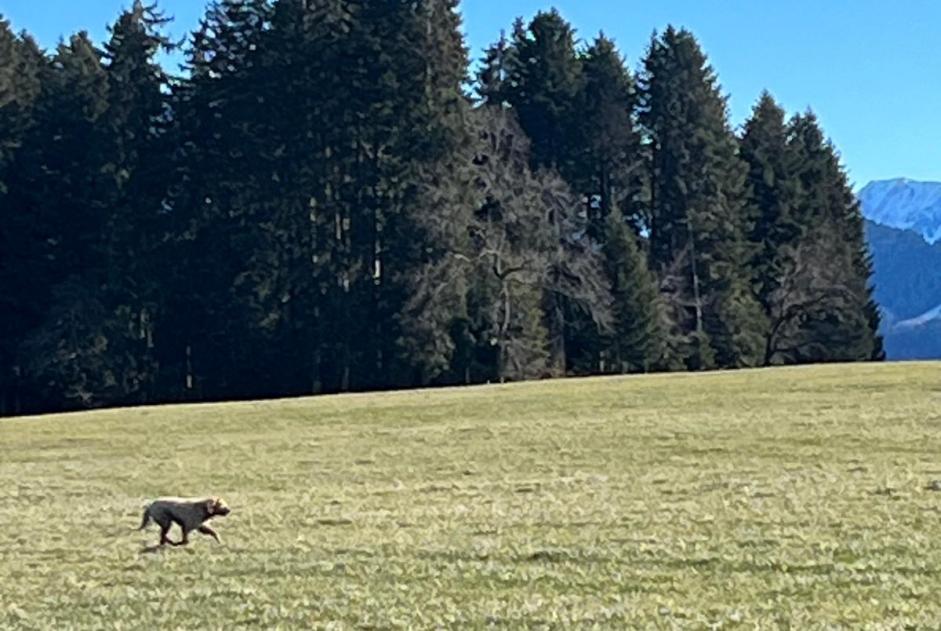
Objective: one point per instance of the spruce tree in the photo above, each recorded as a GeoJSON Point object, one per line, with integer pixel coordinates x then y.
{"type": "Point", "coordinates": [219, 114]}
{"type": "Point", "coordinates": [843, 323]}
{"type": "Point", "coordinates": [340, 238]}
{"type": "Point", "coordinates": [773, 190]}
{"type": "Point", "coordinates": [59, 191]}
{"type": "Point", "coordinates": [608, 163]}
{"type": "Point", "coordinates": [490, 82]}
{"type": "Point", "coordinates": [697, 210]}
{"type": "Point", "coordinates": [22, 69]}
{"type": "Point", "coordinates": [137, 175]}
{"type": "Point", "coordinates": [638, 343]}
{"type": "Point", "coordinates": [543, 77]}
{"type": "Point", "coordinates": [539, 75]}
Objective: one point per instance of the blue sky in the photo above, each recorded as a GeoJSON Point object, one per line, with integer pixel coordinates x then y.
{"type": "Point", "coordinates": [871, 69]}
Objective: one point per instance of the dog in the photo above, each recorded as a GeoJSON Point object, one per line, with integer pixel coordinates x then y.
{"type": "Point", "coordinates": [188, 513]}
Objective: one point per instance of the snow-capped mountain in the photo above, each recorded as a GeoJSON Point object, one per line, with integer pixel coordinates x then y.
{"type": "Point", "coordinates": [904, 204]}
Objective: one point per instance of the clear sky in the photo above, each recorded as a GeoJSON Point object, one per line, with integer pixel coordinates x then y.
{"type": "Point", "coordinates": [870, 69]}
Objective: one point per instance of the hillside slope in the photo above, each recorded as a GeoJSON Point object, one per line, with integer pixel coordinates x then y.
{"type": "Point", "coordinates": [908, 289]}
{"type": "Point", "coordinates": [786, 497]}
{"type": "Point", "coordinates": [907, 271]}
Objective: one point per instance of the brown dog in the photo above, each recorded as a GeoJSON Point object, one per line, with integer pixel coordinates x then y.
{"type": "Point", "coordinates": [189, 514]}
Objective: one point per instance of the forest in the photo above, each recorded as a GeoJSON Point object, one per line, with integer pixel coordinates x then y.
{"type": "Point", "coordinates": [330, 196]}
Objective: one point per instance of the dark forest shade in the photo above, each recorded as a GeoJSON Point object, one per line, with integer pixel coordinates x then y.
{"type": "Point", "coordinates": [319, 206]}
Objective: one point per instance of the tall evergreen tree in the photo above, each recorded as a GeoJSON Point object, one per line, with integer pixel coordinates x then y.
{"type": "Point", "coordinates": [490, 82]}
{"type": "Point", "coordinates": [22, 68]}
{"type": "Point", "coordinates": [539, 75]}
{"type": "Point", "coordinates": [639, 340]}
{"type": "Point", "coordinates": [543, 77]}
{"type": "Point", "coordinates": [842, 324]}
{"type": "Point", "coordinates": [776, 233]}
{"type": "Point", "coordinates": [608, 167]}
{"type": "Point", "coordinates": [139, 169]}
{"type": "Point", "coordinates": [697, 212]}
{"type": "Point", "coordinates": [208, 341]}
{"type": "Point", "coordinates": [95, 342]}
{"type": "Point", "coordinates": [387, 76]}
{"type": "Point", "coordinates": [57, 198]}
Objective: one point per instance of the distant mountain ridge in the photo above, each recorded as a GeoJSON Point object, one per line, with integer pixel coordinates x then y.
{"type": "Point", "coordinates": [903, 230]}
{"type": "Point", "coordinates": [904, 204]}
{"type": "Point", "coordinates": [907, 272]}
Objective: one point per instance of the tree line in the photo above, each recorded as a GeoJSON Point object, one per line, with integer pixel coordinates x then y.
{"type": "Point", "coordinates": [329, 198]}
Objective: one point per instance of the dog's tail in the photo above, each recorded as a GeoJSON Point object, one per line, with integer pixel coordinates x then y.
{"type": "Point", "coordinates": [146, 519]}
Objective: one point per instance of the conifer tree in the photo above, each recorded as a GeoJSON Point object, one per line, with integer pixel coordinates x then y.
{"type": "Point", "coordinates": [773, 190]}
{"type": "Point", "coordinates": [219, 113]}
{"type": "Point", "coordinates": [490, 81]}
{"type": "Point", "coordinates": [608, 163]}
{"type": "Point", "coordinates": [539, 75]}
{"type": "Point", "coordinates": [22, 68]}
{"type": "Point", "coordinates": [638, 343]}
{"type": "Point", "coordinates": [697, 212]}
{"type": "Point", "coordinates": [340, 238]}
{"type": "Point", "coordinates": [841, 321]}
{"type": "Point", "coordinates": [58, 198]}
{"type": "Point", "coordinates": [543, 77]}
{"type": "Point", "coordinates": [139, 170]}
{"type": "Point", "coordinates": [95, 343]}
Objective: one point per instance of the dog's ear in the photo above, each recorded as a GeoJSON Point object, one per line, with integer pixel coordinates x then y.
{"type": "Point", "coordinates": [211, 505]}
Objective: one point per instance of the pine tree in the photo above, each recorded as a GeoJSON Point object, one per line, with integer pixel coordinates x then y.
{"type": "Point", "coordinates": [490, 83]}
{"type": "Point", "coordinates": [606, 172]}
{"type": "Point", "coordinates": [21, 64]}
{"type": "Point", "coordinates": [697, 212]}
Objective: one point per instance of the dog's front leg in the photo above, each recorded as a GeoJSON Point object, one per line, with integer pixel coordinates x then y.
{"type": "Point", "coordinates": [182, 525]}
{"type": "Point", "coordinates": [164, 539]}
{"type": "Point", "coordinates": [206, 530]}
{"type": "Point", "coordinates": [185, 540]}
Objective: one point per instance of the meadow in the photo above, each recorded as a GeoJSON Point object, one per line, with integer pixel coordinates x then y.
{"type": "Point", "coordinates": [782, 498]}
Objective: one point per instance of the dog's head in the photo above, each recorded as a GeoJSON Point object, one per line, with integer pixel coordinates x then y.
{"type": "Point", "coordinates": [217, 506]}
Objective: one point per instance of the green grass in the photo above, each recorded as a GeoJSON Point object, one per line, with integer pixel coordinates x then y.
{"type": "Point", "coordinates": [771, 498]}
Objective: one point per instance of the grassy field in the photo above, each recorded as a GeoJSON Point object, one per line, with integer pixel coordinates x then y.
{"type": "Point", "coordinates": [789, 498]}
